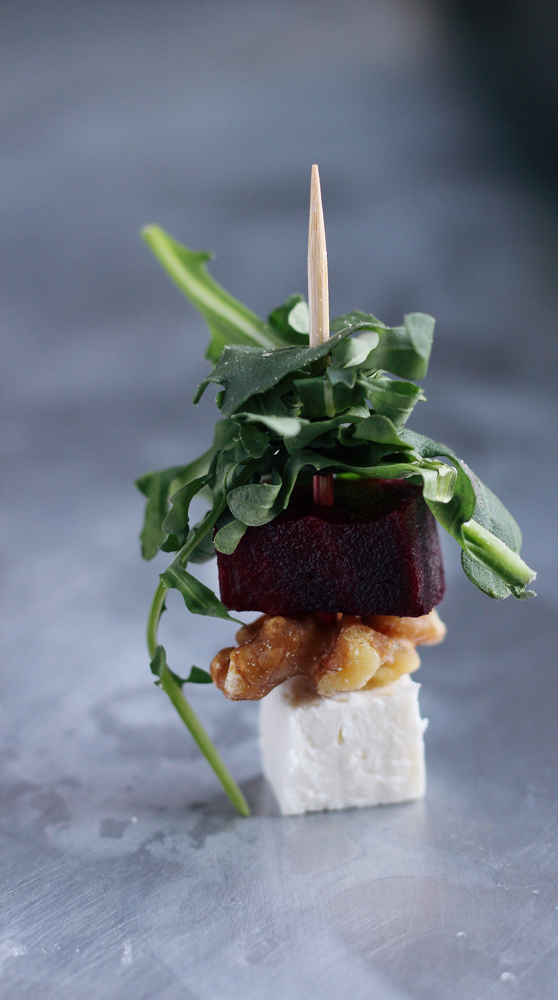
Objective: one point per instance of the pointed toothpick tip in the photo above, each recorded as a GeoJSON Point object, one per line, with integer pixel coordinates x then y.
{"type": "Point", "coordinates": [318, 290]}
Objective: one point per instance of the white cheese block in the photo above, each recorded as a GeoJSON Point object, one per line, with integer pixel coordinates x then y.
{"type": "Point", "coordinates": [361, 748]}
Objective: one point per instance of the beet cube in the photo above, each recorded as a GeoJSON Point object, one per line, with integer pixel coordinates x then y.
{"type": "Point", "coordinates": [375, 551]}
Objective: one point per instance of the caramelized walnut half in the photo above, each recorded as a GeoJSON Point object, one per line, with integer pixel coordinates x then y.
{"type": "Point", "coordinates": [348, 655]}
{"type": "Point", "coordinates": [428, 630]}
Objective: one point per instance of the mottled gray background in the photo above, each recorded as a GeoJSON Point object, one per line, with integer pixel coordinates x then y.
{"type": "Point", "coordinates": [127, 873]}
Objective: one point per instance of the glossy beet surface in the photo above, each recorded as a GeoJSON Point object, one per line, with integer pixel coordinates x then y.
{"type": "Point", "coordinates": [375, 551]}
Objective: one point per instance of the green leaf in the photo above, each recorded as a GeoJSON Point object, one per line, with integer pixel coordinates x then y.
{"type": "Point", "coordinates": [354, 318]}
{"type": "Point", "coordinates": [227, 434]}
{"type": "Point", "coordinates": [496, 571]}
{"type": "Point", "coordinates": [310, 431]}
{"type": "Point", "coordinates": [379, 428]}
{"type": "Point", "coordinates": [321, 399]}
{"type": "Point", "coordinates": [176, 521]}
{"type": "Point", "coordinates": [224, 477]}
{"type": "Point", "coordinates": [285, 427]}
{"type": "Point", "coordinates": [354, 350]}
{"type": "Point", "coordinates": [228, 537]}
{"type": "Point", "coordinates": [491, 514]}
{"type": "Point", "coordinates": [420, 330]}
{"type": "Point", "coordinates": [402, 350]}
{"type": "Point", "coordinates": [198, 598]}
{"type": "Point", "coordinates": [291, 320]}
{"type": "Point", "coordinates": [203, 551]}
{"type": "Point", "coordinates": [172, 543]}
{"type": "Point", "coordinates": [496, 555]}
{"type": "Point", "coordinates": [482, 560]}
{"type": "Point", "coordinates": [229, 321]}
{"type": "Point", "coordinates": [248, 371]}
{"type": "Point", "coordinates": [159, 662]}
{"type": "Point", "coordinates": [439, 481]}
{"type": "Point", "coordinates": [299, 318]}
{"type": "Point", "coordinates": [198, 676]}
{"type": "Point", "coordinates": [157, 487]}
{"type": "Point", "coordinates": [395, 400]}
{"type": "Point", "coordinates": [405, 350]}
{"type": "Point", "coordinates": [347, 376]}
{"type": "Point", "coordinates": [252, 504]}
{"type": "Point", "coordinates": [254, 440]}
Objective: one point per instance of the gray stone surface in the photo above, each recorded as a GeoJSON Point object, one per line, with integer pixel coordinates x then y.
{"type": "Point", "coordinates": [126, 872]}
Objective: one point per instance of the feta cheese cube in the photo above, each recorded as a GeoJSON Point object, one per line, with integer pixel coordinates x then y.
{"type": "Point", "coordinates": [361, 748]}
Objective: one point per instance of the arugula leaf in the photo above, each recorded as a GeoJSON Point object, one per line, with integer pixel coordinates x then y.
{"type": "Point", "coordinates": [486, 531]}
{"type": "Point", "coordinates": [307, 458]}
{"type": "Point", "coordinates": [159, 662]}
{"type": "Point", "coordinates": [318, 428]}
{"type": "Point", "coordinates": [402, 350]}
{"type": "Point", "coordinates": [291, 320]}
{"type": "Point", "coordinates": [252, 505]}
{"type": "Point", "coordinates": [438, 481]}
{"type": "Point", "coordinates": [172, 543]}
{"type": "Point", "coordinates": [198, 676]}
{"type": "Point", "coordinates": [395, 400]}
{"type": "Point", "coordinates": [285, 427]}
{"type": "Point", "coordinates": [321, 399]}
{"type": "Point", "coordinates": [354, 350]}
{"type": "Point", "coordinates": [203, 551]}
{"type": "Point", "coordinates": [228, 537]}
{"type": "Point", "coordinates": [254, 440]}
{"type": "Point", "coordinates": [483, 560]}
{"type": "Point", "coordinates": [299, 318]}
{"type": "Point", "coordinates": [247, 371]}
{"type": "Point", "coordinates": [157, 487]}
{"type": "Point", "coordinates": [419, 328]}
{"type": "Point", "coordinates": [355, 318]}
{"type": "Point", "coordinates": [405, 350]}
{"type": "Point", "coordinates": [492, 565]}
{"type": "Point", "coordinates": [198, 598]}
{"type": "Point", "coordinates": [379, 428]}
{"type": "Point", "coordinates": [176, 521]}
{"type": "Point", "coordinates": [229, 321]}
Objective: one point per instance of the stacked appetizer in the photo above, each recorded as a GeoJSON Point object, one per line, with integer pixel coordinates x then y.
{"type": "Point", "coordinates": [323, 518]}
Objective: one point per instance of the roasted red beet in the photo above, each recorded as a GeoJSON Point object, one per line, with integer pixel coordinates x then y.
{"type": "Point", "coordinates": [375, 551]}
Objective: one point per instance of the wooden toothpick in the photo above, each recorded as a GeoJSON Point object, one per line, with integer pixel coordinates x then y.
{"type": "Point", "coordinates": [318, 301]}
{"type": "Point", "coordinates": [318, 291]}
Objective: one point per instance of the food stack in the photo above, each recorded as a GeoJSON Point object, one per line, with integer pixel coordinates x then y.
{"type": "Point", "coordinates": [347, 577]}
{"type": "Point", "coordinates": [323, 516]}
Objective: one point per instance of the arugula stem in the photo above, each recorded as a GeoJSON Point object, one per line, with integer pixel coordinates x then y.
{"type": "Point", "coordinates": [154, 617]}
{"type": "Point", "coordinates": [186, 712]}
{"type": "Point", "coordinates": [496, 555]}
{"type": "Point", "coordinates": [189, 717]}
{"type": "Point", "coordinates": [168, 683]}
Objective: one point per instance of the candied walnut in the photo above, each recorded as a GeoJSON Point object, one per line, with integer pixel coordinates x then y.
{"type": "Point", "coordinates": [426, 630]}
{"type": "Point", "coordinates": [220, 665]}
{"type": "Point", "coordinates": [347, 655]}
{"type": "Point", "coordinates": [405, 661]}
{"type": "Point", "coordinates": [271, 649]}
{"type": "Point", "coordinates": [364, 658]}
{"type": "Point", "coordinates": [353, 660]}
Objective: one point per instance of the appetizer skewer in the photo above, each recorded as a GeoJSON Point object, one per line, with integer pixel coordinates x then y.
{"type": "Point", "coordinates": [348, 570]}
